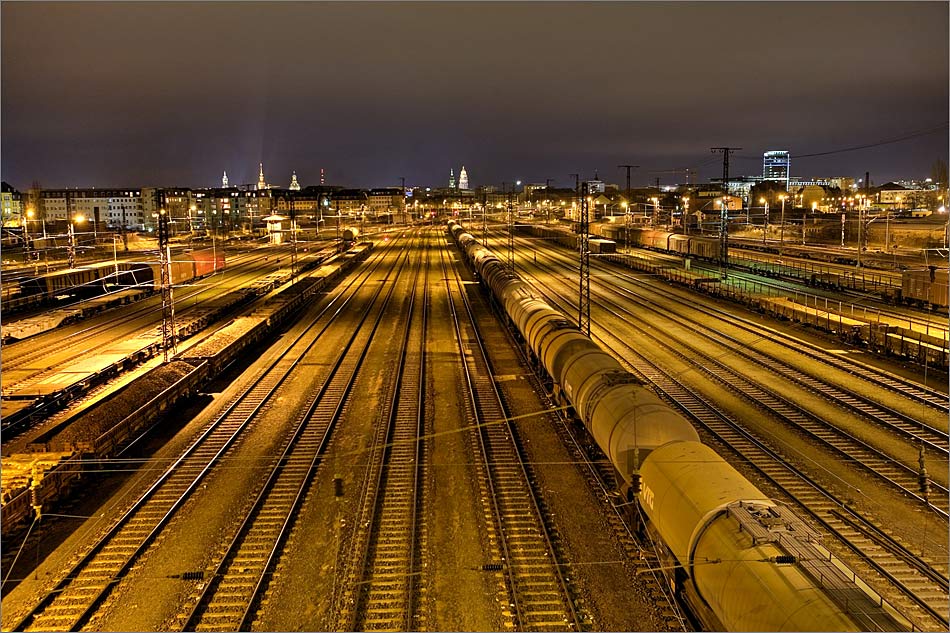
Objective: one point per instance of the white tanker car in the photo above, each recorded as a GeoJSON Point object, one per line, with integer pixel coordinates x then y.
{"type": "Point", "coordinates": [740, 560]}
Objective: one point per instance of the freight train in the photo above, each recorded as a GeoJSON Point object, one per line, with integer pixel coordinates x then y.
{"type": "Point", "coordinates": [922, 288]}
{"type": "Point", "coordinates": [95, 279]}
{"type": "Point", "coordinates": [739, 560]}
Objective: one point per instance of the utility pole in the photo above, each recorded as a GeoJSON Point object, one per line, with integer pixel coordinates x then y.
{"type": "Point", "coordinates": [402, 182]}
{"type": "Point", "coordinates": [511, 233]}
{"type": "Point", "coordinates": [71, 251]}
{"type": "Point", "coordinates": [724, 209]}
{"type": "Point", "coordinates": [293, 237]}
{"type": "Point", "coordinates": [583, 244]}
{"type": "Point", "coordinates": [627, 190]}
{"type": "Point", "coordinates": [169, 334]}
{"type": "Point", "coordinates": [577, 186]}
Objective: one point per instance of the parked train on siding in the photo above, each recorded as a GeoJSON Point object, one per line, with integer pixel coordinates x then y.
{"type": "Point", "coordinates": [927, 287]}
{"type": "Point", "coordinates": [741, 560]}
{"type": "Point", "coordinates": [95, 279]}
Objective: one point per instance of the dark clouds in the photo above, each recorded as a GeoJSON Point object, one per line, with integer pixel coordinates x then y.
{"type": "Point", "coordinates": [173, 93]}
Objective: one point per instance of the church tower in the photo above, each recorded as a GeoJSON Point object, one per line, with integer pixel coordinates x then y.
{"type": "Point", "coordinates": [294, 185]}
{"type": "Point", "coordinates": [224, 181]}
{"type": "Point", "coordinates": [463, 178]}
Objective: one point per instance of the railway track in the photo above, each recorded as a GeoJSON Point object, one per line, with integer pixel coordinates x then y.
{"type": "Point", "coordinates": [74, 596]}
{"type": "Point", "coordinates": [639, 558]}
{"type": "Point", "coordinates": [917, 392]}
{"type": "Point", "coordinates": [537, 592]}
{"type": "Point", "coordinates": [931, 398]}
{"type": "Point", "coordinates": [229, 599]}
{"type": "Point", "coordinates": [20, 355]}
{"type": "Point", "coordinates": [905, 477]}
{"type": "Point", "coordinates": [893, 472]}
{"type": "Point", "coordinates": [601, 477]}
{"type": "Point", "coordinates": [924, 588]}
{"type": "Point", "coordinates": [381, 593]}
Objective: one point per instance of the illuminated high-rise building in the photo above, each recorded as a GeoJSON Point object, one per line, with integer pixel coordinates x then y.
{"type": "Point", "coordinates": [463, 178]}
{"type": "Point", "coordinates": [775, 166]}
{"type": "Point", "coordinates": [224, 181]}
{"type": "Point", "coordinates": [451, 178]}
{"type": "Point", "coordinates": [261, 184]}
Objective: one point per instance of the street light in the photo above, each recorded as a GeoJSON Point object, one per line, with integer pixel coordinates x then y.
{"type": "Point", "coordinates": [214, 235]}
{"type": "Point", "coordinates": [814, 207]}
{"type": "Point", "coordinates": [656, 210]}
{"type": "Point", "coordinates": [765, 224]}
{"type": "Point", "coordinates": [71, 251]}
{"type": "Point", "coordinates": [686, 214]}
{"type": "Point", "coordinates": [626, 225]}
{"type": "Point", "coordinates": [782, 228]}
{"type": "Point", "coordinates": [862, 230]}
{"type": "Point", "coordinates": [27, 254]}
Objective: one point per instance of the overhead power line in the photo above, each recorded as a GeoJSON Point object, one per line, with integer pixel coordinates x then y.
{"type": "Point", "coordinates": [898, 139]}
{"type": "Point", "coordinates": [906, 137]}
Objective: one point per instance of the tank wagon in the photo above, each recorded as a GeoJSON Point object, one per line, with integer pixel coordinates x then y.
{"type": "Point", "coordinates": [739, 559]}
{"type": "Point", "coordinates": [351, 234]}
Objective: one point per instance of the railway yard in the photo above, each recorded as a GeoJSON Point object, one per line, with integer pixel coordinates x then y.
{"type": "Point", "coordinates": [388, 440]}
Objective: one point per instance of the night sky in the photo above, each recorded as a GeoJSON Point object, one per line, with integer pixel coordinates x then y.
{"type": "Point", "coordinates": [164, 94]}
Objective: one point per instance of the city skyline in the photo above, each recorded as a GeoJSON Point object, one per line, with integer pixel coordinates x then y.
{"type": "Point", "coordinates": [374, 92]}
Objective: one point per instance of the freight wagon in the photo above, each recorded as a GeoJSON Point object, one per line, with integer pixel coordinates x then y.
{"type": "Point", "coordinates": [926, 287]}
{"type": "Point", "coordinates": [602, 247]}
{"type": "Point", "coordinates": [95, 279]}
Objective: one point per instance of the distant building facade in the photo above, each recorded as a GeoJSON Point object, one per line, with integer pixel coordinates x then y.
{"type": "Point", "coordinates": [111, 207]}
{"type": "Point", "coordinates": [11, 205]}
{"type": "Point", "coordinates": [596, 185]}
{"type": "Point", "coordinates": [386, 200]}
{"type": "Point", "coordinates": [775, 166]}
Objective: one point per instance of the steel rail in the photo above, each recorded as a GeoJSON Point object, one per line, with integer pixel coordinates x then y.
{"type": "Point", "coordinates": [169, 492]}
{"type": "Point", "coordinates": [534, 572]}
{"type": "Point", "coordinates": [383, 585]}
{"type": "Point", "coordinates": [900, 475]}
{"type": "Point", "coordinates": [228, 599]}
{"type": "Point", "coordinates": [892, 471]}
{"type": "Point", "coordinates": [813, 498]}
